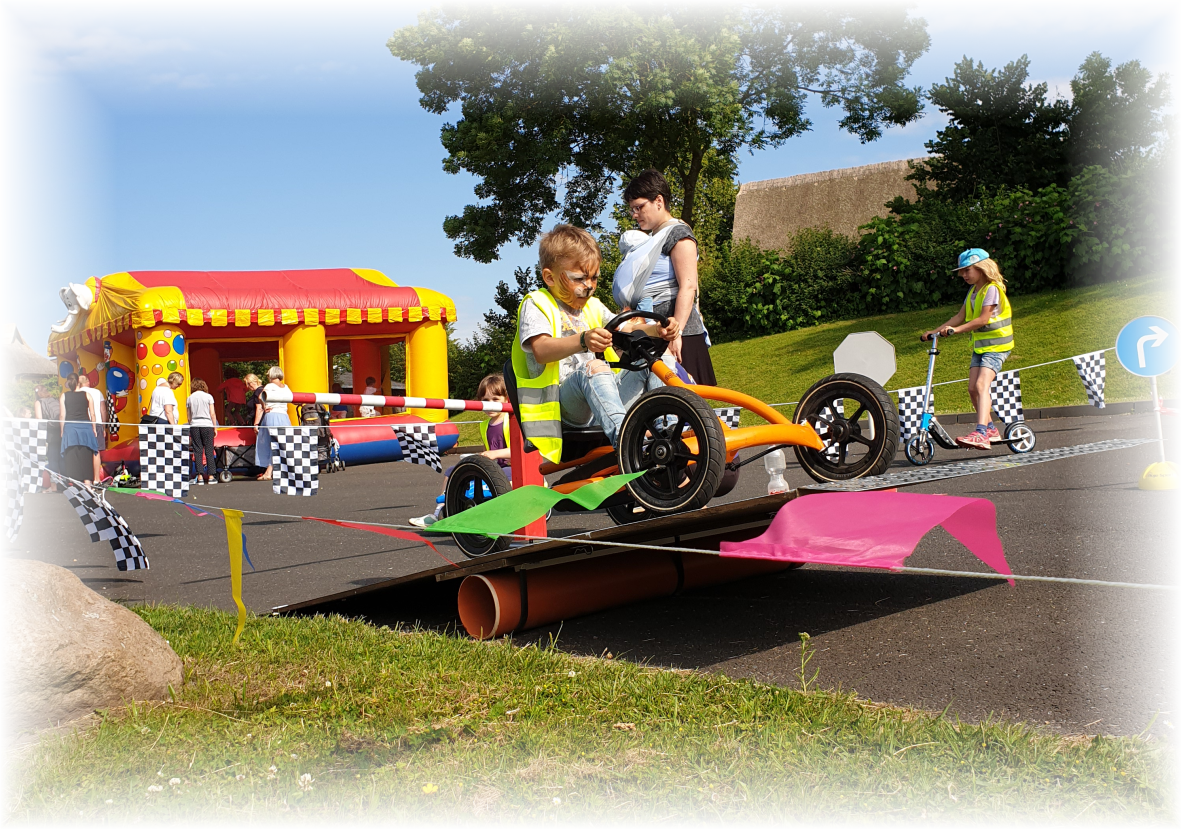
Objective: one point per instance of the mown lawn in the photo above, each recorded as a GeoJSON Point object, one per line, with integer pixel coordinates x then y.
{"type": "Point", "coordinates": [322, 717]}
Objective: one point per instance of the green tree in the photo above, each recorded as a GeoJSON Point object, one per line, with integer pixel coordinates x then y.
{"type": "Point", "coordinates": [1116, 118]}
{"type": "Point", "coordinates": [487, 350]}
{"type": "Point", "coordinates": [558, 103]}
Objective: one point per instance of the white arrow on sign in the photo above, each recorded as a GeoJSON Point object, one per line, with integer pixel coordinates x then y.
{"type": "Point", "coordinates": [1158, 336]}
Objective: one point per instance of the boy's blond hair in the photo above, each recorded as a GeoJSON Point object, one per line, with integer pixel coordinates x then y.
{"type": "Point", "coordinates": [569, 245]}
{"type": "Point", "coordinates": [992, 272]}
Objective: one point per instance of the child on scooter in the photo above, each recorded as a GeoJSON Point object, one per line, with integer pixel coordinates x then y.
{"type": "Point", "coordinates": [493, 434]}
{"type": "Point", "coordinates": [986, 313]}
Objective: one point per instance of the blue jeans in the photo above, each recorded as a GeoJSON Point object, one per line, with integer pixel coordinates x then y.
{"type": "Point", "coordinates": [602, 399]}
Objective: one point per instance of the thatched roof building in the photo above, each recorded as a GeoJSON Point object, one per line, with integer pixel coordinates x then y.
{"type": "Point", "coordinates": [21, 362]}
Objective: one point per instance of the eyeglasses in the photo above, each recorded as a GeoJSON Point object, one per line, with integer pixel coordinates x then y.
{"type": "Point", "coordinates": [580, 278]}
{"type": "Point", "coordinates": [638, 206]}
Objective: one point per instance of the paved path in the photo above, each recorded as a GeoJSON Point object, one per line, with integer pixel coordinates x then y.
{"type": "Point", "coordinates": [1080, 659]}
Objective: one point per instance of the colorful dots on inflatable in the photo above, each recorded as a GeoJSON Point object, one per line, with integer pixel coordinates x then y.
{"type": "Point", "coordinates": [161, 348]}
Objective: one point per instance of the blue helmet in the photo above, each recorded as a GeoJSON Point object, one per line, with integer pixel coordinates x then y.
{"type": "Point", "coordinates": [971, 257]}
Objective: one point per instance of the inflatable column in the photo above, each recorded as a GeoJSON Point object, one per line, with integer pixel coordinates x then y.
{"type": "Point", "coordinates": [366, 363]}
{"type": "Point", "coordinates": [303, 356]}
{"type": "Point", "coordinates": [426, 367]}
{"type": "Point", "coordinates": [160, 351]}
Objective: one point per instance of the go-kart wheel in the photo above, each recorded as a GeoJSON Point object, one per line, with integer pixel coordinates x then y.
{"type": "Point", "coordinates": [225, 476]}
{"type": "Point", "coordinates": [628, 513]}
{"type": "Point", "coordinates": [1022, 437]}
{"type": "Point", "coordinates": [652, 440]}
{"type": "Point", "coordinates": [858, 423]}
{"type": "Point", "coordinates": [473, 481]}
{"type": "Point", "coordinates": [920, 449]}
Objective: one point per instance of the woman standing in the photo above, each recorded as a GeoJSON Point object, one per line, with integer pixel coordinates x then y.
{"type": "Point", "coordinates": [79, 440]}
{"type": "Point", "coordinates": [47, 407]}
{"type": "Point", "coordinates": [268, 416]}
{"type": "Point", "coordinates": [203, 431]}
{"type": "Point", "coordinates": [672, 283]}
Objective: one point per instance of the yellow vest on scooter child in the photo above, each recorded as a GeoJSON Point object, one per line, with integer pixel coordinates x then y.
{"type": "Point", "coordinates": [540, 414]}
{"type": "Point", "coordinates": [997, 335]}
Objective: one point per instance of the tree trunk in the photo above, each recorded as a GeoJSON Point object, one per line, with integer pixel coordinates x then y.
{"type": "Point", "coordinates": [690, 186]}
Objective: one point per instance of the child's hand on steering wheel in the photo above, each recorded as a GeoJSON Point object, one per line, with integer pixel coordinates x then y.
{"type": "Point", "coordinates": [598, 340]}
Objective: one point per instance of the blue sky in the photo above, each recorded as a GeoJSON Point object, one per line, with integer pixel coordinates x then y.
{"type": "Point", "coordinates": [261, 135]}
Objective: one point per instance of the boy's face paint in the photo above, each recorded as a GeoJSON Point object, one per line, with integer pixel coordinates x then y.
{"type": "Point", "coordinates": [570, 285]}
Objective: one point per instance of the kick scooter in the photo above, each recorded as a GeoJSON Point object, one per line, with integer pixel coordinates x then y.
{"type": "Point", "coordinates": [921, 447]}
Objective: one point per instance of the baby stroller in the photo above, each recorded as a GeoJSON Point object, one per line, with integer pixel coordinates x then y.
{"type": "Point", "coordinates": [327, 447]}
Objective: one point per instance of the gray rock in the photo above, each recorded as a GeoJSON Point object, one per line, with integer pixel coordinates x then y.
{"type": "Point", "coordinates": [69, 651]}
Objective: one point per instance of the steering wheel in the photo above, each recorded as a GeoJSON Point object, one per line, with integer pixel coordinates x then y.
{"type": "Point", "coordinates": [637, 351]}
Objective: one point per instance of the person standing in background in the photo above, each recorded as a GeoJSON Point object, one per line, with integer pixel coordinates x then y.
{"type": "Point", "coordinates": [203, 431]}
{"type": "Point", "coordinates": [47, 407]}
{"type": "Point", "coordinates": [77, 430]}
{"type": "Point", "coordinates": [234, 388]}
{"type": "Point", "coordinates": [269, 416]}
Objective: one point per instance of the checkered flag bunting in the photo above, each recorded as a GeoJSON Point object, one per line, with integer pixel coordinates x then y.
{"type": "Point", "coordinates": [730, 415]}
{"type": "Point", "coordinates": [104, 524]}
{"type": "Point", "coordinates": [296, 470]}
{"type": "Point", "coordinates": [30, 439]}
{"type": "Point", "coordinates": [164, 458]}
{"type": "Point", "coordinates": [832, 452]}
{"type": "Point", "coordinates": [419, 444]}
{"type": "Point", "coordinates": [1092, 370]}
{"type": "Point", "coordinates": [910, 409]}
{"type": "Point", "coordinates": [14, 513]}
{"type": "Point", "coordinates": [1006, 396]}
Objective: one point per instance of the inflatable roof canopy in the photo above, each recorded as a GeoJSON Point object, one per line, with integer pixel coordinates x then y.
{"type": "Point", "coordinates": [147, 324]}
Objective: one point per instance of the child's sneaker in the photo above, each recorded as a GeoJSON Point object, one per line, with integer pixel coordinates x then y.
{"type": "Point", "coordinates": [974, 440]}
{"type": "Point", "coordinates": [424, 521]}
{"type": "Point", "coordinates": [992, 434]}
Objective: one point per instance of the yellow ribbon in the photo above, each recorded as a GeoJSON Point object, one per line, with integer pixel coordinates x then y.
{"type": "Point", "coordinates": [233, 519]}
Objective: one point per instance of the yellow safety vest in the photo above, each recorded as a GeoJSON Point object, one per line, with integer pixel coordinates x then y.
{"type": "Point", "coordinates": [540, 414]}
{"type": "Point", "coordinates": [484, 424]}
{"type": "Point", "coordinates": [997, 335]}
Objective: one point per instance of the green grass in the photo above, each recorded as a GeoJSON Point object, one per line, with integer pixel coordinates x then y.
{"type": "Point", "coordinates": [396, 723]}
{"type": "Point", "coordinates": [1048, 326]}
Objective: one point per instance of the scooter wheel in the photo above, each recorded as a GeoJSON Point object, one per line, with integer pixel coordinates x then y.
{"type": "Point", "coordinates": [1020, 437]}
{"type": "Point", "coordinates": [858, 422]}
{"type": "Point", "coordinates": [225, 476]}
{"type": "Point", "coordinates": [654, 439]}
{"type": "Point", "coordinates": [920, 449]}
{"type": "Point", "coordinates": [484, 480]}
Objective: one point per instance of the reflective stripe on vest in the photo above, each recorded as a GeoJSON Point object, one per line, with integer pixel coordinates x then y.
{"type": "Point", "coordinates": [540, 414]}
{"type": "Point", "coordinates": [997, 335]}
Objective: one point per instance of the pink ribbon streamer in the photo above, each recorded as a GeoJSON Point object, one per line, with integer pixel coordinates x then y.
{"type": "Point", "coordinates": [873, 529]}
{"type": "Point", "coordinates": [390, 531]}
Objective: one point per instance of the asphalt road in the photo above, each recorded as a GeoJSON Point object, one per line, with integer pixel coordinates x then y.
{"type": "Point", "coordinates": [1074, 658]}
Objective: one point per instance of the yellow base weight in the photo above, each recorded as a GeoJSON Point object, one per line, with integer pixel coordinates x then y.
{"type": "Point", "coordinates": [1159, 476]}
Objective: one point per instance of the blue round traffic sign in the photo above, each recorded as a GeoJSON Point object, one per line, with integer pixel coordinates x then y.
{"type": "Point", "coordinates": [1147, 346]}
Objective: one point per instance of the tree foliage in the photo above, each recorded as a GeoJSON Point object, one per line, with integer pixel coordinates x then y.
{"type": "Point", "coordinates": [558, 102]}
{"type": "Point", "coordinates": [490, 347]}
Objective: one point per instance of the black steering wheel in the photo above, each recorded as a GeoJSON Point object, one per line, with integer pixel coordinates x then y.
{"type": "Point", "coordinates": [637, 351]}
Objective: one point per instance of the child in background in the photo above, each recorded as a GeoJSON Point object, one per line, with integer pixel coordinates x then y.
{"type": "Point", "coordinates": [493, 434]}
{"type": "Point", "coordinates": [987, 314]}
{"type": "Point", "coordinates": [370, 388]}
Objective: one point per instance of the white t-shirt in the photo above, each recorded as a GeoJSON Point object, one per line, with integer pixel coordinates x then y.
{"type": "Point", "coordinates": [269, 407]}
{"type": "Point", "coordinates": [99, 402]}
{"type": "Point", "coordinates": [162, 396]}
{"type": "Point", "coordinates": [534, 322]}
{"type": "Point", "coordinates": [368, 411]}
{"type": "Point", "coordinates": [201, 408]}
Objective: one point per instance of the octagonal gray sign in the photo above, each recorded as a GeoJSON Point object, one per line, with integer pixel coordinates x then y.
{"type": "Point", "coordinates": [868, 353]}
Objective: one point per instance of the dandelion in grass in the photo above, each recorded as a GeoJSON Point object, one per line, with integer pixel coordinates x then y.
{"type": "Point", "coordinates": [239, 777]}
{"type": "Point", "coordinates": [174, 781]}
{"type": "Point", "coordinates": [430, 788]}
{"type": "Point", "coordinates": [155, 788]}
{"type": "Point", "coordinates": [305, 782]}
{"type": "Point", "coordinates": [572, 674]}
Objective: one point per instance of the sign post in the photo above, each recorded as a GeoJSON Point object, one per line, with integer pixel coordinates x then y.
{"type": "Point", "coordinates": [1147, 347]}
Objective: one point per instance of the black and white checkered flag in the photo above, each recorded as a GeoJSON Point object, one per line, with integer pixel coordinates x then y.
{"type": "Point", "coordinates": [164, 458]}
{"type": "Point", "coordinates": [1006, 396]}
{"type": "Point", "coordinates": [419, 444]}
{"type": "Point", "coordinates": [1092, 370]}
{"type": "Point", "coordinates": [14, 513]}
{"type": "Point", "coordinates": [104, 524]}
{"type": "Point", "coordinates": [832, 452]}
{"type": "Point", "coordinates": [910, 409]}
{"type": "Point", "coordinates": [30, 439]}
{"type": "Point", "coordinates": [730, 415]}
{"type": "Point", "coordinates": [297, 469]}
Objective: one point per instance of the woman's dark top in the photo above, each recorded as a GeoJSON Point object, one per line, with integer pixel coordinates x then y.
{"type": "Point", "coordinates": [252, 403]}
{"type": "Point", "coordinates": [77, 406]}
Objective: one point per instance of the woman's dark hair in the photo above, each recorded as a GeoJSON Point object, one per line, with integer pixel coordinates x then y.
{"type": "Point", "coordinates": [648, 185]}
{"type": "Point", "coordinates": [493, 383]}
{"type": "Point", "coordinates": [72, 381]}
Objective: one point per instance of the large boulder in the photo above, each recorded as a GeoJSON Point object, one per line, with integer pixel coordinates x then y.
{"type": "Point", "coordinates": [70, 651]}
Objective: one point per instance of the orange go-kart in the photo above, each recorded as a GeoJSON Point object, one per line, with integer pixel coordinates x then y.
{"type": "Point", "coordinates": [845, 426]}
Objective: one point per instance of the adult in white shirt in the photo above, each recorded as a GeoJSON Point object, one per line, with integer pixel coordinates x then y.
{"type": "Point", "coordinates": [162, 408]}
{"type": "Point", "coordinates": [202, 432]}
{"type": "Point", "coordinates": [98, 405]}
{"type": "Point", "coordinates": [269, 416]}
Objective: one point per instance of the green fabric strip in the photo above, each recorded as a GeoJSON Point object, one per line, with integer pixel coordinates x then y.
{"type": "Point", "coordinates": [510, 512]}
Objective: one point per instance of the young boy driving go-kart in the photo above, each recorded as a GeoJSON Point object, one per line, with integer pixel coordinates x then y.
{"type": "Point", "coordinates": [559, 331]}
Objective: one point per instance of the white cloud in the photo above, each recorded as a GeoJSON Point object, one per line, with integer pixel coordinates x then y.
{"type": "Point", "coordinates": [1068, 17]}
{"type": "Point", "coordinates": [43, 40]}
{"type": "Point", "coordinates": [181, 82]}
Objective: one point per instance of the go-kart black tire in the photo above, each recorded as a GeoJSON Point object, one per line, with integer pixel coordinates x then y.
{"type": "Point", "coordinates": [872, 400]}
{"type": "Point", "coordinates": [920, 449]}
{"type": "Point", "coordinates": [479, 471]}
{"type": "Point", "coordinates": [1022, 436]}
{"type": "Point", "coordinates": [676, 479]}
{"type": "Point", "coordinates": [729, 479]}
{"type": "Point", "coordinates": [628, 513]}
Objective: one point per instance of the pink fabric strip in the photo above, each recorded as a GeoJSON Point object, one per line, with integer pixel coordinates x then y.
{"type": "Point", "coordinates": [873, 529]}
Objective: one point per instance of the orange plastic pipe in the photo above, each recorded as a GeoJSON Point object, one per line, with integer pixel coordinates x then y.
{"type": "Point", "coordinates": [490, 603]}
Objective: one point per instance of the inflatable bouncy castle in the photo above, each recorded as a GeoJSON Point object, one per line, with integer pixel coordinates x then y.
{"type": "Point", "coordinates": [126, 330]}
